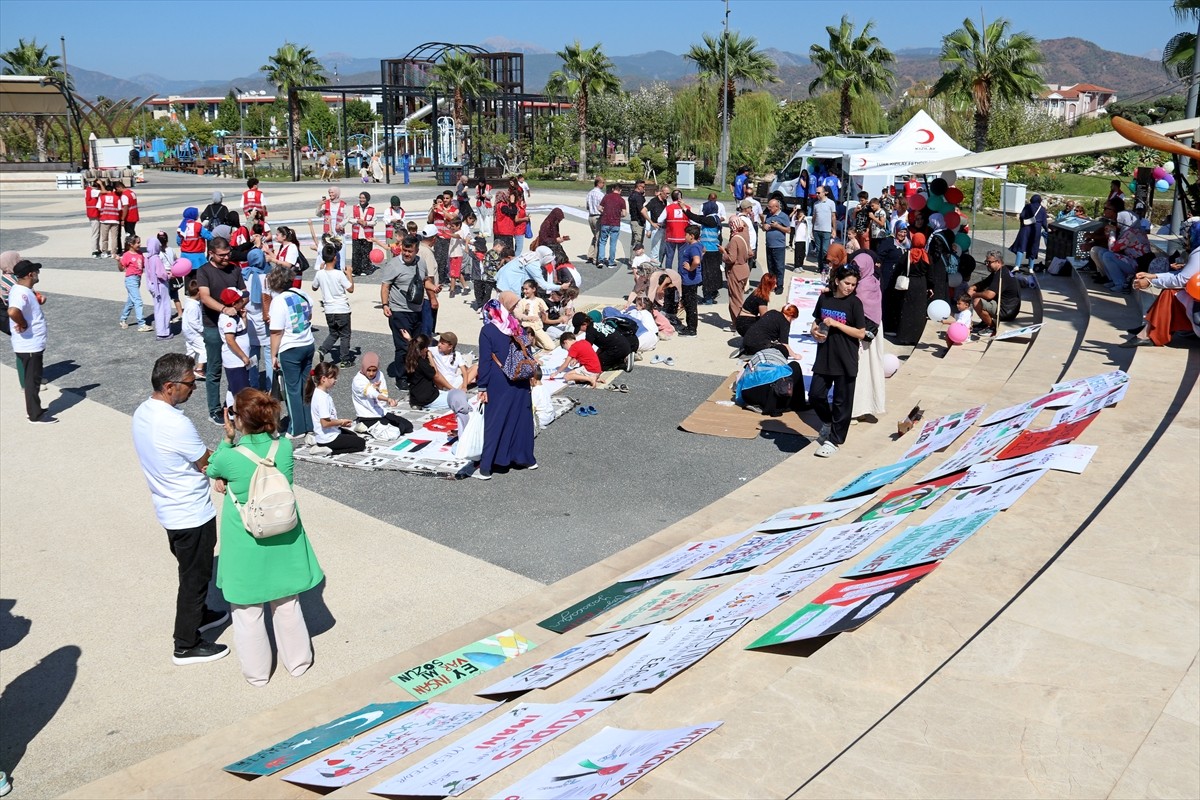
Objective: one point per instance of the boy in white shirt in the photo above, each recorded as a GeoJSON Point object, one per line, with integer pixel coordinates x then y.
{"type": "Point", "coordinates": [543, 409]}
{"type": "Point", "coordinates": [193, 327]}
{"type": "Point", "coordinates": [335, 287]}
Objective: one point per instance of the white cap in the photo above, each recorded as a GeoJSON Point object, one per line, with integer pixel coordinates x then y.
{"type": "Point", "coordinates": [545, 255]}
{"type": "Point", "coordinates": [429, 231]}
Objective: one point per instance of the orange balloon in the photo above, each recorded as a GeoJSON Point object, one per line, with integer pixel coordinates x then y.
{"type": "Point", "coordinates": [1193, 286]}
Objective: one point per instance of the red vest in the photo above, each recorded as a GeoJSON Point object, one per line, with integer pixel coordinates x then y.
{"type": "Point", "coordinates": [364, 223]}
{"type": "Point", "coordinates": [109, 207]}
{"type": "Point", "coordinates": [502, 224]}
{"type": "Point", "coordinates": [91, 200]}
{"type": "Point", "coordinates": [252, 199]}
{"type": "Point", "coordinates": [676, 222]}
{"type": "Point", "coordinates": [334, 216]}
{"type": "Point", "coordinates": [191, 240]}
{"type": "Point", "coordinates": [238, 238]}
{"type": "Point", "coordinates": [129, 200]}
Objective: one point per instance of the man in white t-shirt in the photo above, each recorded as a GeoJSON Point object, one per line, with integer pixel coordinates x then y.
{"type": "Point", "coordinates": [28, 327]}
{"type": "Point", "coordinates": [173, 460]}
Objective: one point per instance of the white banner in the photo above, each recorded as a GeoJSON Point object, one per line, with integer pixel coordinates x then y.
{"type": "Point", "coordinates": [985, 444]}
{"type": "Point", "coordinates": [662, 603]}
{"type": "Point", "coordinates": [998, 496]}
{"type": "Point", "coordinates": [565, 664]}
{"type": "Point", "coordinates": [758, 549]}
{"type": "Point", "coordinates": [837, 543]}
{"type": "Point", "coordinates": [1065, 458]}
{"type": "Point", "coordinates": [757, 595]}
{"type": "Point", "coordinates": [1063, 397]}
{"type": "Point", "coordinates": [942, 431]}
{"type": "Point", "coordinates": [807, 516]}
{"type": "Point", "coordinates": [1095, 384]}
{"type": "Point", "coordinates": [1096, 403]}
{"type": "Point", "coordinates": [482, 753]}
{"type": "Point", "coordinates": [685, 557]}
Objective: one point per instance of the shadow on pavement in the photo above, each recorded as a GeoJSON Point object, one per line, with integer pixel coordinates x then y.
{"type": "Point", "coordinates": [71, 396]}
{"type": "Point", "coordinates": [316, 613]}
{"type": "Point", "coordinates": [59, 369]}
{"type": "Point", "coordinates": [32, 699]}
{"type": "Point", "coordinates": [12, 627]}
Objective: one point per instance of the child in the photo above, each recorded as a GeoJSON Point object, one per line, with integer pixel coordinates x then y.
{"type": "Point", "coordinates": [327, 426]}
{"type": "Point", "coordinates": [364, 170]}
{"type": "Point", "coordinates": [335, 286]}
{"type": "Point", "coordinates": [639, 309]}
{"type": "Point", "coordinates": [641, 265]}
{"type": "Point", "coordinates": [559, 311]}
{"type": "Point", "coordinates": [451, 364]}
{"type": "Point", "coordinates": [839, 324]}
{"type": "Point", "coordinates": [193, 327]}
{"type": "Point", "coordinates": [582, 364]}
{"type": "Point", "coordinates": [800, 228]}
{"type": "Point", "coordinates": [531, 310]}
{"type": "Point", "coordinates": [456, 252]}
{"type": "Point", "coordinates": [371, 401]}
{"type": "Point", "coordinates": [169, 256]}
{"type": "Point", "coordinates": [543, 409]}
{"type": "Point", "coordinates": [962, 313]}
{"type": "Point", "coordinates": [235, 341]}
{"type": "Point", "coordinates": [133, 264]}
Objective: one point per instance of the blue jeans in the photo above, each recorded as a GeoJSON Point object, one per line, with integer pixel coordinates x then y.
{"type": "Point", "coordinates": [212, 371]}
{"type": "Point", "coordinates": [133, 299]}
{"type": "Point", "coordinates": [609, 234]}
{"type": "Point", "coordinates": [669, 251]}
{"type": "Point", "coordinates": [776, 263]}
{"type": "Point", "coordinates": [519, 243]}
{"type": "Point", "coordinates": [820, 246]}
{"type": "Point", "coordinates": [1119, 269]}
{"type": "Point", "coordinates": [295, 364]}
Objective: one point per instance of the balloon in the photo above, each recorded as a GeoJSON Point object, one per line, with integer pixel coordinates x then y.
{"type": "Point", "coordinates": [934, 204]}
{"type": "Point", "coordinates": [939, 185]}
{"type": "Point", "coordinates": [1170, 179]}
{"type": "Point", "coordinates": [376, 256]}
{"type": "Point", "coordinates": [953, 220]}
{"type": "Point", "coordinates": [917, 202]}
{"type": "Point", "coordinates": [1193, 286]}
{"type": "Point", "coordinates": [963, 241]}
{"type": "Point", "coordinates": [1159, 173]}
{"type": "Point", "coordinates": [954, 195]}
{"type": "Point", "coordinates": [1133, 186]}
{"type": "Point", "coordinates": [958, 333]}
{"type": "Point", "coordinates": [891, 364]}
{"type": "Point", "coordinates": [1162, 185]}
{"type": "Point", "coordinates": [181, 268]}
{"type": "Point", "coordinates": [1169, 166]}
{"type": "Point", "coordinates": [949, 176]}
{"type": "Point", "coordinates": [954, 280]}
{"type": "Point", "coordinates": [938, 310]}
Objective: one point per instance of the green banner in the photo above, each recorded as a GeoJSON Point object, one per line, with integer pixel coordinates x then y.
{"type": "Point", "coordinates": [597, 604]}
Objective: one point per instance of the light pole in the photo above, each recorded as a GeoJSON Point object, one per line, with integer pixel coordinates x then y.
{"type": "Point", "coordinates": [241, 132]}
{"type": "Point", "coordinates": [723, 159]}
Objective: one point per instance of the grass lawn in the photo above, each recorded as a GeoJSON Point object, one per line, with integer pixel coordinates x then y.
{"type": "Point", "coordinates": [1085, 185]}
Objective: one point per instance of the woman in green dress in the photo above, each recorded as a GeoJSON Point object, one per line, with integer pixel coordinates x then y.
{"type": "Point", "coordinates": [252, 572]}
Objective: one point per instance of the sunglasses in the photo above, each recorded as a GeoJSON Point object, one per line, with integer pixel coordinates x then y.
{"type": "Point", "coordinates": [189, 384]}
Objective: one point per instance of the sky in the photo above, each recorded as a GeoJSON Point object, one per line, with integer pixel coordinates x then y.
{"type": "Point", "coordinates": [170, 38]}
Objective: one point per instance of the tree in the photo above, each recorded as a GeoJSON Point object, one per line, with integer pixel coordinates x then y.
{"type": "Point", "coordinates": [853, 65]}
{"type": "Point", "coordinates": [288, 69]}
{"type": "Point", "coordinates": [229, 114]}
{"type": "Point", "coordinates": [29, 58]}
{"type": "Point", "coordinates": [747, 63]}
{"type": "Point", "coordinates": [460, 75]}
{"type": "Point", "coordinates": [752, 131]}
{"type": "Point", "coordinates": [1179, 53]}
{"type": "Point", "coordinates": [198, 129]}
{"type": "Point", "coordinates": [866, 114]}
{"type": "Point", "coordinates": [360, 117]}
{"type": "Point", "coordinates": [584, 72]}
{"type": "Point", "coordinates": [795, 124]}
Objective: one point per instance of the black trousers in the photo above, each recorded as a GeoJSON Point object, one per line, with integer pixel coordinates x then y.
{"type": "Point", "coordinates": [711, 266]}
{"type": "Point", "coordinates": [441, 253]}
{"type": "Point", "coordinates": [691, 320]}
{"type": "Point", "coordinates": [31, 365]}
{"type": "Point", "coordinates": [339, 330]}
{"type": "Point", "coordinates": [346, 442]}
{"type": "Point", "coordinates": [389, 419]}
{"type": "Point", "coordinates": [483, 291]}
{"type": "Point", "coordinates": [402, 321]}
{"type": "Point", "coordinates": [193, 549]}
{"type": "Point", "coordinates": [670, 301]}
{"type": "Point", "coordinates": [837, 415]}
{"type": "Point", "coordinates": [360, 256]}
{"type": "Point", "coordinates": [801, 250]}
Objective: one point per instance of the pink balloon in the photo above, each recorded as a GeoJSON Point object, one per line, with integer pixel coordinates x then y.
{"type": "Point", "coordinates": [953, 220]}
{"type": "Point", "coordinates": [916, 202]}
{"type": "Point", "coordinates": [376, 256]}
{"type": "Point", "coordinates": [1159, 173]}
{"type": "Point", "coordinates": [181, 268]}
{"type": "Point", "coordinates": [891, 363]}
{"type": "Point", "coordinates": [958, 333]}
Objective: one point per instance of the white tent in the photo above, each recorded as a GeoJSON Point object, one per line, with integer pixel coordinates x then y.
{"type": "Point", "coordinates": [921, 140]}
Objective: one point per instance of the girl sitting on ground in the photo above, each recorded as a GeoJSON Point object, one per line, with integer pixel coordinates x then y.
{"type": "Point", "coordinates": [370, 395]}
{"type": "Point", "coordinates": [557, 319]}
{"type": "Point", "coordinates": [451, 364]}
{"type": "Point", "coordinates": [530, 311]}
{"type": "Point", "coordinates": [426, 386]}
{"type": "Point", "coordinates": [329, 430]}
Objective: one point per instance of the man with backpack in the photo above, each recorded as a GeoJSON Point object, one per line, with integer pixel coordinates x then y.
{"type": "Point", "coordinates": [402, 289]}
{"type": "Point", "coordinates": [174, 460]}
{"type": "Point", "coordinates": [612, 345]}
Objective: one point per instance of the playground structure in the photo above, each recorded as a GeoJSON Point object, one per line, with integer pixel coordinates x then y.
{"type": "Point", "coordinates": [446, 145]}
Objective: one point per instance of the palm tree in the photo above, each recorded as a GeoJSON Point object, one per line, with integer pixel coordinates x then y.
{"type": "Point", "coordinates": [584, 72]}
{"type": "Point", "coordinates": [853, 65]}
{"type": "Point", "coordinates": [290, 68]}
{"type": "Point", "coordinates": [460, 75]}
{"type": "Point", "coordinates": [29, 58]}
{"type": "Point", "coordinates": [1179, 53]}
{"type": "Point", "coordinates": [746, 62]}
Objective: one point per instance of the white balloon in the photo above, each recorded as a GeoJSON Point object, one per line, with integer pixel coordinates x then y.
{"type": "Point", "coordinates": [1169, 166]}
{"type": "Point", "coordinates": [949, 176]}
{"type": "Point", "coordinates": [938, 310]}
{"type": "Point", "coordinates": [890, 364]}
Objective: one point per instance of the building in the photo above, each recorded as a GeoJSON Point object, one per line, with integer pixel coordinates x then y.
{"type": "Point", "coordinates": [161, 106]}
{"type": "Point", "coordinates": [1070, 103]}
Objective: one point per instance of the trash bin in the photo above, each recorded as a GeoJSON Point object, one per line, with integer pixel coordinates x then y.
{"type": "Point", "coordinates": [1012, 197]}
{"type": "Point", "coordinates": [685, 174]}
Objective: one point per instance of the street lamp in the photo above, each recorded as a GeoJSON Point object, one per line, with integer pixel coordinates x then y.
{"type": "Point", "coordinates": [241, 132]}
{"type": "Point", "coordinates": [723, 165]}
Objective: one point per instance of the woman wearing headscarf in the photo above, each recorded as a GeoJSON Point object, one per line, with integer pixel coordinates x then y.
{"type": "Point", "coordinates": [1174, 309]}
{"type": "Point", "coordinates": [376, 169]}
{"type": "Point", "coordinates": [504, 223]}
{"type": "Point", "coordinates": [940, 246]}
{"type": "Point", "coordinates": [254, 273]}
{"type": "Point", "coordinates": [507, 404]}
{"type": "Point", "coordinates": [214, 213]}
{"type": "Point", "coordinates": [870, 396]}
{"type": "Point", "coordinates": [836, 256]}
{"type": "Point", "coordinates": [191, 238]}
{"type": "Point", "coordinates": [362, 233]}
{"type": "Point", "coordinates": [393, 221]}
{"type": "Point", "coordinates": [550, 236]}
{"type": "Point", "coordinates": [1029, 238]}
{"type": "Point", "coordinates": [736, 255]}
{"type": "Point", "coordinates": [370, 395]}
{"type": "Point", "coordinates": [158, 281]}
{"type": "Point", "coordinates": [913, 310]}
{"type": "Point", "coordinates": [710, 239]}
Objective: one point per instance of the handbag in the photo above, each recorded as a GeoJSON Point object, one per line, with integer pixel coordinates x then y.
{"type": "Point", "coordinates": [902, 280]}
{"type": "Point", "coordinates": [518, 364]}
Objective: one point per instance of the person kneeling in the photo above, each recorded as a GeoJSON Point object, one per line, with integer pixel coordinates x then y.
{"type": "Point", "coordinates": [427, 388]}
{"type": "Point", "coordinates": [328, 428]}
{"type": "Point", "coordinates": [371, 401]}
{"type": "Point", "coordinates": [582, 364]}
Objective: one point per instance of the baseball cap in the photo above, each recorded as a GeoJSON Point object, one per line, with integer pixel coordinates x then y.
{"type": "Point", "coordinates": [24, 267]}
{"type": "Point", "coordinates": [429, 231]}
{"type": "Point", "coordinates": [230, 295]}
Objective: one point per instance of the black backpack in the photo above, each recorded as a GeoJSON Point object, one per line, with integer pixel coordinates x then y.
{"type": "Point", "coordinates": [626, 328]}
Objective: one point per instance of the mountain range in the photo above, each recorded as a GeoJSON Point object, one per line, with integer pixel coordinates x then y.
{"type": "Point", "coordinates": [1067, 61]}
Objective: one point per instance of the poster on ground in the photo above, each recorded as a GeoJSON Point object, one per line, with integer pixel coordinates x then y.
{"type": "Point", "coordinates": [604, 600]}
{"type": "Point", "coordinates": [875, 478]}
{"type": "Point", "coordinates": [295, 749]}
{"type": "Point", "coordinates": [605, 764]}
{"type": "Point", "coordinates": [850, 592]}
{"type": "Point", "coordinates": [565, 664]}
{"type": "Point", "coordinates": [1094, 384]}
{"type": "Point", "coordinates": [816, 620]}
{"type": "Point", "coordinates": [1058, 399]}
{"type": "Point", "coordinates": [807, 516]}
{"type": "Point", "coordinates": [1028, 442]}
{"type": "Point", "coordinates": [903, 502]}
{"type": "Point", "coordinates": [1018, 333]}
{"type": "Point", "coordinates": [836, 544]}
{"type": "Point", "coordinates": [758, 549]}
{"type": "Point", "coordinates": [684, 558]}
{"type": "Point", "coordinates": [985, 444]}
{"type": "Point", "coordinates": [932, 541]}
{"type": "Point", "coordinates": [757, 595]}
{"type": "Point", "coordinates": [388, 745]}
{"type": "Point", "coordinates": [1064, 458]}
{"type": "Point", "coordinates": [1090, 406]}
{"type": "Point", "coordinates": [942, 431]}
{"type": "Point", "coordinates": [445, 672]}
{"type": "Point", "coordinates": [482, 753]}
{"type": "Point", "coordinates": [667, 651]}
{"type": "Point", "coordinates": [998, 496]}
{"type": "Point", "coordinates": [663, 603]}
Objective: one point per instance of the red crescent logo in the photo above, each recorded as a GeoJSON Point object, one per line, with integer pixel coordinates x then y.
{"type": "Point", "coordinates": [928, 133]}
{"type": "Point", "coordinates": [862, 162]}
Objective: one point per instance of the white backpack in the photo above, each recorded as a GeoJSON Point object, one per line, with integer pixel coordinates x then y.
{"type": "Point", "coordinates": [270, 502]}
